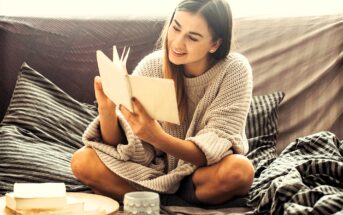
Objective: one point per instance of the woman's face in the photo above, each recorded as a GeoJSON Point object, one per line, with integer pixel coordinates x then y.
{"type": "Point", "coordinates": [190, 41]}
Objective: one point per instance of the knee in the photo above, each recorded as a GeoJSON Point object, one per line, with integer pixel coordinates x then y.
{"type": "Point", "coordinates": [80, 165]}
{"type": "Point", "coordinates": [237, 174]}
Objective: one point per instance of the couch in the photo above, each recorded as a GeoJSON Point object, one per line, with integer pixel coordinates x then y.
{"type": "Point", "coordinates": [298, 82]}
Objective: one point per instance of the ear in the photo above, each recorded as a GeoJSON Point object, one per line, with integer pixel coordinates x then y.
{"type": "Point", "coordinates": [216, 45]}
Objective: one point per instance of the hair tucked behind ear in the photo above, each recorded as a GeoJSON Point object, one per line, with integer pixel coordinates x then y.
{"type": "Point", "coordinates": [218, 15]}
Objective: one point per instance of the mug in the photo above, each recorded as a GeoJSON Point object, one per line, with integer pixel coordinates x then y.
{"type": "Point", "coordinates": [142, 202]}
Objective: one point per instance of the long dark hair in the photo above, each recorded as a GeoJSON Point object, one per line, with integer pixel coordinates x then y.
{"type": "Point", "coordinates": [218, 15]}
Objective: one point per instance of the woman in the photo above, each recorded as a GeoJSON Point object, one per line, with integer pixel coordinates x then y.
{"type": "Point", "coordinates": [130, 151]}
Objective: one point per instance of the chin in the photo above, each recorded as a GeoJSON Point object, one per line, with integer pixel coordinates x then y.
{"type": "Point", "coordinates": [175, 61]}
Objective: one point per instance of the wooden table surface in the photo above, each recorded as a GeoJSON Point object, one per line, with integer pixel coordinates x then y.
{"type": "Point", "coordinates": [92, 202]}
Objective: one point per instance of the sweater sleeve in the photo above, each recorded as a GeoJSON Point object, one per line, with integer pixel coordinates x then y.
{"type": "Point", "coordinates": [222, 126]}
{"type": "Point", "coordinates": [150, 65]}
{"type": "Point", "coordinates": [135, 150]}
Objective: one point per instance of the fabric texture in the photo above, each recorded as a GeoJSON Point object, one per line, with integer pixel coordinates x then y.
{"type": "Point", "coordinates": [39, 133]}
{"type": "Point", "coordinates": [262, 128]}
{"type": "Point", "coordinates": [262, 132]}
{"type": "Point", "coordinates": [305, 51]}
{"type": "Point", "coordinates": [42, 118]}
{"type": "Point", "coordinates": [305, 179]}
{"type": "Point", "coordinates": [301, 56]}
{"type": "Point", "coordinates": [226, 101]}
{"type": "Point", "coordinates": [43, 127]}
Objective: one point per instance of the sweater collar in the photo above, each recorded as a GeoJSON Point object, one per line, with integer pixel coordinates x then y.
{"type": "Point", "coordinates": [205, 78]}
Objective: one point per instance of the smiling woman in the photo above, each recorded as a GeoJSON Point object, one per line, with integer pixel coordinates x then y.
{"type": "Point", "coordinates": [214, 91]}
{"type": "Point", "coordinates": [190, 43]}
{"type": "Point", "coordinates": [38, 139]}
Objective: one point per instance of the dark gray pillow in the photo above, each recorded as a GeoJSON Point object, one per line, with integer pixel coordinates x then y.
{"type": "Point", "coordinates": [39, 133]}
{"type": "Point", "coordinates": [262, 129]}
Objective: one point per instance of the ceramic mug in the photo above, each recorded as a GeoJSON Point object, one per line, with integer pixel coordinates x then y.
{"type": "Point", "coordinates": [142, 202]}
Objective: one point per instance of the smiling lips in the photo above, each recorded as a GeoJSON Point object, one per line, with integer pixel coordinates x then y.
{"type": "Point", "coordinates": [178, 53]}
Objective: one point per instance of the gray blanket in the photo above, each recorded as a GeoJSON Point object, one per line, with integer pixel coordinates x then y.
{"type": "Point", "coordinates": [305, 179]}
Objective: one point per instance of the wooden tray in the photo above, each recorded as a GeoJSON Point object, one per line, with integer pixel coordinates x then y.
{"type": "Point", "coordinates": [92, 202]}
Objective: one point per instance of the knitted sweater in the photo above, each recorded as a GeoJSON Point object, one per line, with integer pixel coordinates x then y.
{"type": "Point", "coordinates": [218, 102]}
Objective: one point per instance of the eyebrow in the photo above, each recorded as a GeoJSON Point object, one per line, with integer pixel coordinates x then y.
{"type": "Point", "coordinates": [191, 32]}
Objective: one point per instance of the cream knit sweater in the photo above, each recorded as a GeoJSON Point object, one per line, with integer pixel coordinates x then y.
{"type": "Point", "coordinates": [218, 101]}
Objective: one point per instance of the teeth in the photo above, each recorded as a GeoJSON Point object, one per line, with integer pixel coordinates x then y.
{"type": "Point", "coordinates": [177, 52]}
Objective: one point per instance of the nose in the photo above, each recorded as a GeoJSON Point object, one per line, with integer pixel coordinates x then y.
{"type": "Point", "coordinates": [179, 42]}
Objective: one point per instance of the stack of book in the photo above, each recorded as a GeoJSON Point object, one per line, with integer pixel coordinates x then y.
{"type": "Point", "coordinates": [45, 198]}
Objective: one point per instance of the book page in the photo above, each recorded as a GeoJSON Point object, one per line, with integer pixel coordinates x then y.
{"type": "Point", "coordinates": [114, 80]}
{"type": "Point", "coordinates": [157, 95]}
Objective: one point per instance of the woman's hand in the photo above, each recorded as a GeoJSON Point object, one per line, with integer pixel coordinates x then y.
{"type": "Point", "coordinates": [109, 128]}
{"type": "Point", "coordinates": [105, 105]}
{"type": "Point", "coordinates": [143, 126]}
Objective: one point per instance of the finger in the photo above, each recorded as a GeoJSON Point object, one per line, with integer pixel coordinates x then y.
{"type": "Point", "coordinates": [99, 93]}
{"type": "Point", "coordinates": [97, 82]}
{"type": "Point", "coordinates": [126, 113]}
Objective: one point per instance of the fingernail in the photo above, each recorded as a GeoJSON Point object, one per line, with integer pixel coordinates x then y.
{"type": "Point", "coordinates": [133, 99]}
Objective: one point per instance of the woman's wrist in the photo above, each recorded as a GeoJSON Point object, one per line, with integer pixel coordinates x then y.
{"type": "Point", "coordinates": [158, 139]}
{"type": "Point", "coordinates": [108, 112]}
{"type": "Point", "coordinates": [109, 126]}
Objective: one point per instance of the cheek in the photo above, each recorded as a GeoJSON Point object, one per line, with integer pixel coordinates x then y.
{"type": "Point", "coordinates": [198, 49]}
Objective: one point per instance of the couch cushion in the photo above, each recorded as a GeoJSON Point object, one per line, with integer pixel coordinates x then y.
{"type": "Point", "coordinates": [39, 133]}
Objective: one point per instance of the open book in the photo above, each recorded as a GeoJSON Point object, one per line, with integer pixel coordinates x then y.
{"type": "Point", "coordinates": [157, 95]}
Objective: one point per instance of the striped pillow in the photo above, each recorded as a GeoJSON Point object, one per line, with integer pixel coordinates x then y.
{"type": "Point", "coordinates": [262, 128]}
{"type": "Point", "coordinates": [39, 133]}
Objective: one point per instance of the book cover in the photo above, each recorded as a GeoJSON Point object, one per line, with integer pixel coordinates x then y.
{"type": "Point", "coordinates": [157, 95]}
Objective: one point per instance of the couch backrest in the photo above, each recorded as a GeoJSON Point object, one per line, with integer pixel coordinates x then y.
{"type": "Point", "coordinates": [300, 56]}
{"type": "Point", "coordinates": [64, 50]}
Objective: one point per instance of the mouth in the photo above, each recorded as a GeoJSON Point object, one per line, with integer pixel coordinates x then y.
{"type": "Point", "coordinates": [178, 53]}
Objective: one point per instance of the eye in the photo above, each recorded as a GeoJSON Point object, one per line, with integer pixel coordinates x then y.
{"type": "Point", "coordinates": [176, 29]}
{"type": "Point", "coordinates": [193, 39]}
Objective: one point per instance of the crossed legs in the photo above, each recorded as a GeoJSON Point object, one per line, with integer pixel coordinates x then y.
{"type": "Point", "coordinates": [214, 184]}
{"type": "Point", "coordinates": [218, 183]}
{"type": "Point", "coordinates": [90, 170]}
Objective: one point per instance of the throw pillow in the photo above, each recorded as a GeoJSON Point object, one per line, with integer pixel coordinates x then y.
{"type": "Point", "coordinates": [39, 133]}
{"type": "Point", "coordinates": [262, 129]}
